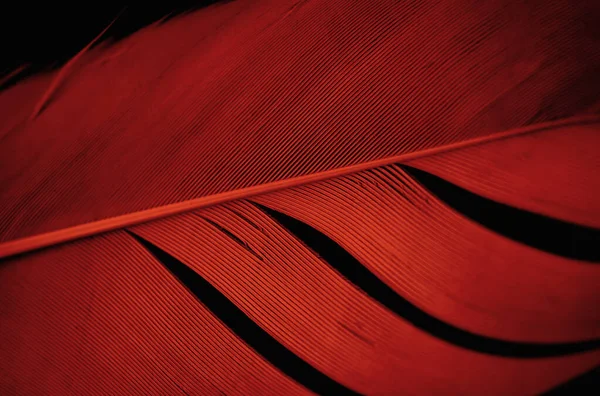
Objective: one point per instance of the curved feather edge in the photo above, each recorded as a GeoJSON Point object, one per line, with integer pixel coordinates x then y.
{"type": "Point", "coordinates": [19, 246]}
{"type": "Point", "coordinates": [247, 93]}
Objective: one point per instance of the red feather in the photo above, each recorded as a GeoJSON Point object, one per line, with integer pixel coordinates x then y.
{"type": "Point", "coordinates": [285, 197]}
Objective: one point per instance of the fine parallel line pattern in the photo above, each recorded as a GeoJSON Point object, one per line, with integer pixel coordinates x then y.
{"type": "Point", "coordinates": [552, 235]}
{"type": "Point", "coordinates": [444, 263]}
{"type": "Point", "coordinates": [356, 273]}
{"type": "Point", "coordinates": [249, 92]}
{"type": "Point", "coordinates": [50, 238]}
{"type": "Point", "coordinates": [102, 316]}
{"type": "Point", "coordinates": [244, 328]}
{"type": "Point", "coordinates": [553, 173]}
{"type": "Point", "coordinates": [301, 301]}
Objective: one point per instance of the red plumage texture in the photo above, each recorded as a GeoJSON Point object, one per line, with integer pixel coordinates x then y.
{"type": "Point", "coordinates": [288, 153]}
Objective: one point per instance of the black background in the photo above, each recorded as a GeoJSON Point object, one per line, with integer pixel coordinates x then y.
{"type": "Point", "coordinates": [45, 36]}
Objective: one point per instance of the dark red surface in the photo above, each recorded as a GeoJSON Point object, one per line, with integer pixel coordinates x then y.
{"type": "Point", "coordinates": [249, 93]}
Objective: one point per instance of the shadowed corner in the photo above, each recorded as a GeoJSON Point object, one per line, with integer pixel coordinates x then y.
{"type": "Point", "coordinates": [585, 384]}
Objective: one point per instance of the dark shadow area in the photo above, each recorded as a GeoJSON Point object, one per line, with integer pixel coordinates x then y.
{"type": "Point", "coordinates": [351, 269]}
{"type": "Point", "coordinates": [551, 235]}
{"type": "Point", "coordinates": [45, 36]}
{"type": "Point", "coordinates": [586, 384]}
{"type": "Point", "coordinates": [240, 324]}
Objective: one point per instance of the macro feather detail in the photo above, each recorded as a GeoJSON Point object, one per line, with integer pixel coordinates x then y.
{"type": "Point", "coordinates": [295, 197]}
